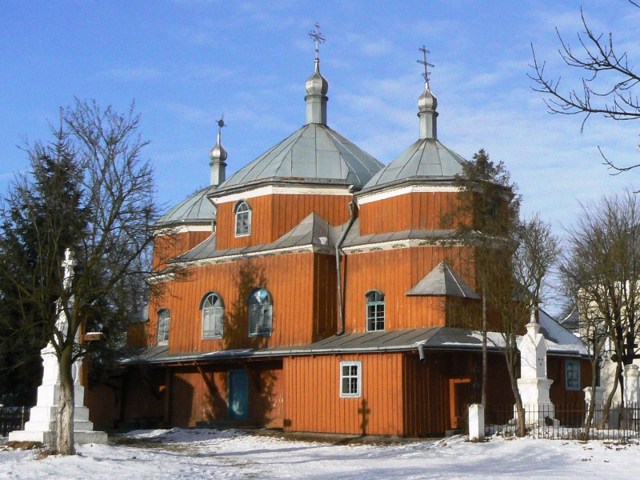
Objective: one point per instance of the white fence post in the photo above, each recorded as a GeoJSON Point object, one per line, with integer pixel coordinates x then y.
{"type": "Point", "coordinates": [476, 422]}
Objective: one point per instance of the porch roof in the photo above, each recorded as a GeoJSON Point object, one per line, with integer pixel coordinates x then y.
{"type": "Point", "coordinates": [434, 338]}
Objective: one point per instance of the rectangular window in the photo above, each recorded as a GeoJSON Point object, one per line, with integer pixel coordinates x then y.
{"type": "Point", "coordinates": [350, 379]}
{"type": "Point", "coordinates": [572, 374]}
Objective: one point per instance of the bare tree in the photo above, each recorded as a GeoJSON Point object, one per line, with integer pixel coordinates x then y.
{"type": "Point", "coordinates": [608, 85]}
{"type": "Point", "coordinates": [602, 270]}
{"type": "Point", "coordinates": [90, 191]}
{"type": "Point", "coordinates": [511, 259]}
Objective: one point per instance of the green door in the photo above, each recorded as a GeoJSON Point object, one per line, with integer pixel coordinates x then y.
{"type": "Point", "coordinates": [238, 395]}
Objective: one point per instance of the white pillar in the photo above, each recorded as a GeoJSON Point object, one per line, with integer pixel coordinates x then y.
{"type": "Point", "coordinates": [632, 385]}
{"type": "Point", "coordinates": [476, 422]}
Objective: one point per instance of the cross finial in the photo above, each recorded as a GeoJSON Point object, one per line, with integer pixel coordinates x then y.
{"type": "Point", "coordinates": [426, 64]}
{"type": "Point", "coordinates": [221, 123]}
{"type": "Point", "coordinates": [318, 38]}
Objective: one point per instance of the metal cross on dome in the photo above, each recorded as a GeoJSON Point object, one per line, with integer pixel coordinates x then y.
{"type": "Point", "coordinates": [317, 37]}
{"type": "Point", "coordinates": [221, 123]}
{"type": "Point", "coordinates": [426, 64]}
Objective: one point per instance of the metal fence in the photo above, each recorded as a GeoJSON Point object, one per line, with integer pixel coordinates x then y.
{"type": "Point", "coordinates": [565, 422]}
{"type": "Point", "coordinates": [12, 418]}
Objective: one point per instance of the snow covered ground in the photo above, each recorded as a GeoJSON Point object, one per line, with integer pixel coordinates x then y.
{"type": "Point", "coordinates": [197, 454]}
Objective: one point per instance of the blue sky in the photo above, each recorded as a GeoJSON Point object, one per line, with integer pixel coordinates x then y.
{"type": "Point", "coordinates": [185, 62]}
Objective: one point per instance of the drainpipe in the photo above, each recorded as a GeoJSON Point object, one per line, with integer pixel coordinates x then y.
{"type": "Point", "coordinates": [352, 211]}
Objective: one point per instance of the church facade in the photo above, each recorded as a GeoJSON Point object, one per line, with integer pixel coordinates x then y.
{"type": "Point", "coordinates": [313, 290]}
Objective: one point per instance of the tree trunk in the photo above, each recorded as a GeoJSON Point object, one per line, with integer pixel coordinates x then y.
{"type": "Point", "coordinates": [64, 434]}
{"type": "Point", "coordinates": [588, 422]}
{"type": "Point", "coordinates": [483, 398]}
{"type": "Point", "coordinates": [521, 427]}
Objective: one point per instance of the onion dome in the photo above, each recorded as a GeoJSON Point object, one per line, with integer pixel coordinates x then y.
{"type": "Point", "coordinates": [217, 157]}
{"type": "Point", "coordinates": [316, 99]}
{"type": "Point", "coordinates": [314, 154]}
{"type": "Point", "coordinates": [427, 159]}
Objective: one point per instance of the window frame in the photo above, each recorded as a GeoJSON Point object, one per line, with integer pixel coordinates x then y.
{"type": "Point", "coordinates": [572, 374]}
{"type": "Point", "coordinates": [254, 326]}
{"type": "Point", "coordinates": [164, 325]}
{"type": "Point", "coordinates": [350, 376]}
{"type": "Point", "coordinates": [375, 320]}
{"type": "Point", "coordinates": [217, 322]}
{"type": "Point", "coordinates": [242, 210]}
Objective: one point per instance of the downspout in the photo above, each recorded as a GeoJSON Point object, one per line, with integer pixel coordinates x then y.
{"type": "Point", "coordinates": [352, 212]}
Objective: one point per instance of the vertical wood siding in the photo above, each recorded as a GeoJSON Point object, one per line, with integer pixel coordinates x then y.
{"type": "Point", "coordinates": [394, 272]}
{"type": "Point", "coordinates": [274, 215]}
{"type": "Point", "coordinates": [313, 402]}
{"type": "Point", "coordinates": [168, 246]}
{"type": "Point", "coordinates": [201, 395]}
{"type": "Point", "coordinates": [303, 303]}
{"type": "Point", "coordinates": [418, 211]}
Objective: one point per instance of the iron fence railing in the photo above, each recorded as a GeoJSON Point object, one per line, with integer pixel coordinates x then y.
{"type": "Point", "coordinates": [565, 422]}
{"type": "Point", "coordinates": [12, 418]}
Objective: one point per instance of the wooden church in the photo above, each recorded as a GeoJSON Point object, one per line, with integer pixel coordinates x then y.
{"type": "Point", "coordinates": [309, 291]}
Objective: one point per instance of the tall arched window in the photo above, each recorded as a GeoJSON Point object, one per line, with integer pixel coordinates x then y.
{"type": "Point", "coordinates": [375, 310]}
{"type": "Point", "coordinates": [243, 219]}
{"type": "Point", "coordinates": [212, 316]}
{"type": "Point", "coordinates": [260, 313]}
{"type": "Point", "coordinates": [164, 319]}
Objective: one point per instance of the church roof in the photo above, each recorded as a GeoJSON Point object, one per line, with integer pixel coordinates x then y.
{"type": "Point", "coordinates": [195, 209]}
{"type": "Point", "coordinates": [313, 154]}
{"type": "Point", "coordinates": [443, 281]}
{"type": "Point", "coordinates": [313, 230]}
{"type": "Point", "coordinates": [427, 159]}
{"type": "Point", "coordinates": [432, 338]}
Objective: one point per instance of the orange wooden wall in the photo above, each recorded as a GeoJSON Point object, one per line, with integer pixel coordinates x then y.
{"type": "Point", "coordinates": [302, 286]}
{"type": "Point", "coordinates": [274, 215]}
{"type": "Point", "coordinates": [394, 272]}
{"type": "Point", "coordinates": [420, 210]}
{"type": "Point", "coordinates": [169, 246]}
{"type": "Point", "coordinates": [201, 395]}
{"type": "Point", "coordinates": [312, 400]}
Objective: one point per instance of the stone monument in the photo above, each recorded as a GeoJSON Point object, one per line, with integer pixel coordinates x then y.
{"type": "Point", "coordinates": [533, 382]}
{"type": "Point", "coordinates": [42, 425]}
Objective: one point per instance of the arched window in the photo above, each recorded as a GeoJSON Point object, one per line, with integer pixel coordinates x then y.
{"type": "Point", "coordinates": [260, 313]}
{"type": "Point", "coordinates": [375, 310]}
{"type": "Point", "coordinates": [243, 219]}
{"type": "Point", "coordinates": [164, 319]}
{"type": "Point", "coordinates": [212, 316]}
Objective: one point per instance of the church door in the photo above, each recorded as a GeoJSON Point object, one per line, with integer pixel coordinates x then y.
{"type": "Point", "coordinates": [238, 395]}
{"type": "Point", "coordinates": [461, 395]}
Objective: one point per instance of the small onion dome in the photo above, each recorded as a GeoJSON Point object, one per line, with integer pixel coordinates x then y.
{"type": "Point", "coordinates": [218, 153]}
{"type": "Point", "coordinates": [316, 83]}
{"type": "Point", "coordinates": [427, 101]}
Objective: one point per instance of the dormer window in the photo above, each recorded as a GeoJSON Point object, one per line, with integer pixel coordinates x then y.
{"type": "Point", "coordinates": [243, 219]}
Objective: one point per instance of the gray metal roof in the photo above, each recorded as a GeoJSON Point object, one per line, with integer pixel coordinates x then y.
{"type": "Point", "coordinates": [314, 153]}
{"type": "Point", "coordinates": [427, 159]}
{"type": "Point", "coordinates": [434, 338]}
{"type": "Point", "coordinates": [310, 231]}
{"type": "Point", "coordinates": [443, 281]}
{"type": "Point", "coordinates": [195, 209]}
{"type": "Point", "coordinates": [354, 238]}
